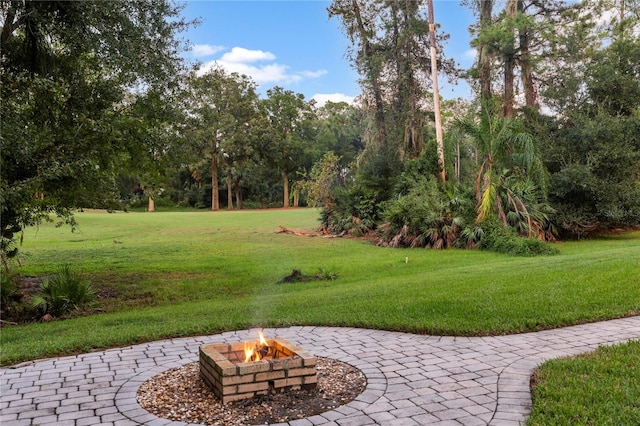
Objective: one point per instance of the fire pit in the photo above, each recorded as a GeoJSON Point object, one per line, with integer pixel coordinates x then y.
{"type": "Point", "coordinates": [247, 369]}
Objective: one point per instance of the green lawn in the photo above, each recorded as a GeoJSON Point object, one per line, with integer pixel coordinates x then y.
{"type": "Point", "coordinates": [189, 273]}
{"type": "Point", "coordinates": [601, 388]}
{"type": "Point", "coordinates": [193, 273]}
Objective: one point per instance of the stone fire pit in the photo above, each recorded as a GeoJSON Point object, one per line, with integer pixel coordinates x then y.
{"type": "Point", "coordinates": [282, 367]}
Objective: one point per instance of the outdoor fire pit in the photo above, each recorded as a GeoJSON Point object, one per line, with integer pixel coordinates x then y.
{"type": "Point", "coordinates": [247, 369]}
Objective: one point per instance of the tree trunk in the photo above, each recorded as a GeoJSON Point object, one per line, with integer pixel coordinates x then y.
{"type": "Point", "coordinates": [526, 69]}
{"type": "Point", "coordinates": [296, 197]}
{"type": "Point", "coordinates": [152, 204]}
{"type": "Point", "coordinates": [215, 202]}
{"type": "Point", "coordinates": [458, 161]}
{"type": "Point", "coordinates": [229, 188]}
{"type": "Point", "coordinates": [285, 184]}
{"type": "Point", "coordinates": [436, 91]}
{"type": "Point", "coordinates": [238, 191]}
{"type": "Point", "coordinates": [484, 58]}
{"type": "Point", "coordinates": [509, 62]}
{"type": "Point", "coordinates": [373, 72]}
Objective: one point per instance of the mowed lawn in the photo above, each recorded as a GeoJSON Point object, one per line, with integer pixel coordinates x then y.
{"type": "Point", "coordinates": [189, 273]}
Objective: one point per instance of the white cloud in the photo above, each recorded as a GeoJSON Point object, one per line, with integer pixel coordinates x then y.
{"type": "Point", "coordinates": [321, 99]}
{"type": "Point", "coordinates": [240, 54]}
{"type": "Point", "coordinates": [470, 53]}
{"type": "Point", "coordinates": [313, 74]}
{"type": "Point", "coordinates": [200, 50]}
{"type": "Point", "coordinates": [247, 62]}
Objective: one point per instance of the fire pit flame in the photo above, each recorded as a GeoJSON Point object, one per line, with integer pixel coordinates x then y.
{"type": "Point", "coordinates": [257, 351]}
{"type": "Point", "coordinates": [243, 370]}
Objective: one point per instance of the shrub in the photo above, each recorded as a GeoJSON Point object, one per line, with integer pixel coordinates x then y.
{"type": "Point", "coordinates": [63, 292]}
{"type": "Point", "coordinates": [8, 286]}
{"type": "Point", "coordinates": [424, 217]}
{"type": "Point", "coordinates": [351, 211]}
{"type": "Point", "coordinates": [504, 239]}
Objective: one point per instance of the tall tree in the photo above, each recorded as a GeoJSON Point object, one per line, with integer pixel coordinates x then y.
{"type": "Point", "coordinates": [222, 108]}
{"type": "Point", "coordinates": [483, 68]}
{"type": "Point", "coordinates": [515, 44]}
{"type": "Point", "coordinates": [360, 26]}
{"type": "Point", "coordinates": [392, 51]}
{"type": "Point", "coordinates": [66, 68]}
{"type": "Point", "coordinates": [591, 144]}
{"type": "Point", "coordinates": [285, 112]}
{"type": "Point", "coordinates": [159, 148]}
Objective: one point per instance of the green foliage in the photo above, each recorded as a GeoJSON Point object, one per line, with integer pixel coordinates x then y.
{"type": "Point", "coordinates": [378, 169]}
{"type": "Point", "coordinates": [324, 177]}
{"type": "Point", "coordinates": [352, 211]}
{"type": "Point", "coordinates": [339, 131]}
{"type": "Point", "coordinates": [503, 239]}
{"type": "Point", "coordinates": [511, 180]}
{"type": "Point", "coordinates": [424, 217]}
{"type": "Point", "coordinates": [8, 285]}
{"type": "Point", "coordinates": [66, 71]}
{"type": "Point", "coordinates": [63, 292]}
{"type": "Point", "coordinates": [324, 274]}
{"type": "Point", "coordinates": [593, 153]}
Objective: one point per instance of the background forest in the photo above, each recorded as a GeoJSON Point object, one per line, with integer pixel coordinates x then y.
{"type": "Point", "coordinates": [100, 110]}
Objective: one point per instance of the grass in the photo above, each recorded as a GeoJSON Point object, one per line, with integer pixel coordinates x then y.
{"type": "Point", "coordinates": [177, 274]}
{"type": "Point", "coordinates": [601, 388]}
{"type": "Point", "coordinates": [191, 273]}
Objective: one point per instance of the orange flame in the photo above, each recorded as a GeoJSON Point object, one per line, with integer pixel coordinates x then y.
{"type": "Point", "coordinates": [263, 342]}
{"type": "Point", "coordinates": [248, 352]}
{"type": "Point", "coordinates": [252, 353]}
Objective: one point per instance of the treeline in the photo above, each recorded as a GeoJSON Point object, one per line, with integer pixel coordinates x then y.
{"type": "Point", "coordinates": [100, 110]}
{"type": "Point", "coordinates": [219, 145]}
{"type": "Point", "coordinates": [549, 148]}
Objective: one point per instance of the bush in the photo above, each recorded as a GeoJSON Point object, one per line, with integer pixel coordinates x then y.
{"type": "Point", "coordinates": [63, 292]}
{"type": "Point", "coordinates": [8, 286]}
{"type": "Point", "coordinates": [504, 239]}
{"type": "Point", "coordinates": [425, 217]}
{"type": "Point", "coordinates": [351, 211]}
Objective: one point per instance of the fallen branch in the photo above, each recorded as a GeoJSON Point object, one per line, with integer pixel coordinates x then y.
{"type": "Point", "coordinates": [284, 230]}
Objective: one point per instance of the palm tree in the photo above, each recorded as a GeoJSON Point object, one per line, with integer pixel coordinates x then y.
{"type": "Point", "coordinates": [511, 181]}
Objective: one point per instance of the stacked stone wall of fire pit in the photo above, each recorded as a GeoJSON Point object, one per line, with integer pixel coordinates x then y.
{"type": "Point", "coordinates": [288, 368]}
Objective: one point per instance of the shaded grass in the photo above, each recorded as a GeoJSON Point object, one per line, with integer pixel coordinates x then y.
{"type": "Point", "coordinates": [190, 273]}
{"type": "Point", "coordinates": [601, 388]}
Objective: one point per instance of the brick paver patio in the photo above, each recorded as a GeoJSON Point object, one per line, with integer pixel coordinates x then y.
{"type": "Point", "coordinates": [411, 379]}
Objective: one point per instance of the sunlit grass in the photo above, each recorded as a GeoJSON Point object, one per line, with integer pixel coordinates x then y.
{"type": "Point", "coordinates": [189, 273]}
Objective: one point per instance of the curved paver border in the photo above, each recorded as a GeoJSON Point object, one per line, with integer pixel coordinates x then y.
{"type": "Point", "coordinates": [411, 379]}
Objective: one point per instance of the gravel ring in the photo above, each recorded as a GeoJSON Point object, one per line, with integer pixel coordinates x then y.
{"type": "Point", "coordinates": [180, 395]}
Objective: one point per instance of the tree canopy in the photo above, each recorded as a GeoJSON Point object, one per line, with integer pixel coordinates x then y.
{"type": "Point", "coordinates": [66, 70]}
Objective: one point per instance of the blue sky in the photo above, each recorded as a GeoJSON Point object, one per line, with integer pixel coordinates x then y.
{"type": "Point", "coordinates": [294, 44]}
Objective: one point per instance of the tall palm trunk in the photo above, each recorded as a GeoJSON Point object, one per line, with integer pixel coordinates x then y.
{"type": "Point", "coordinates": [436, 92]}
